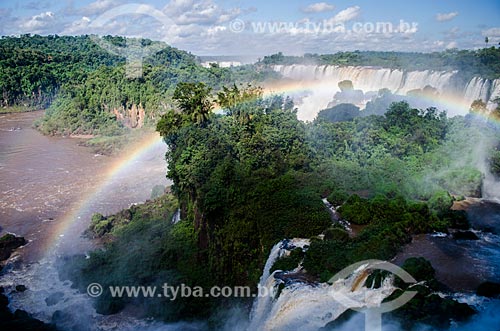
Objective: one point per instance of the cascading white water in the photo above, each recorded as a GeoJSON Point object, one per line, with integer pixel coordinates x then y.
{"type": "Point", "coordinates": [263, 303]}
{"type": "Point", "coordinates": [176, 218]}
{"type": "Point", "coordinates": [322, 82]}
{"type": "Point", "coordinates": [482, 89]}
{"type": "Point", "coordinates": [310, 306]}
{"type": "Point", "coordinates": [336, 216]}
{"type": "Point", "coordinates": [491, 186]}
{"type": "Point", "coordinates": [370, 78]}
{"type": "Point", "coordinates": [477, 88]}
{"type": "Point", "coordinates": [495, 89]}
{"type": "Point", "coordinates": [48, 296]}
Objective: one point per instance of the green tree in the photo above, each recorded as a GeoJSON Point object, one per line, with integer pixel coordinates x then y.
{"type": "Point", "coordinates": [238, 102]}
{"type": "Point", "coordinates": [193, 99]}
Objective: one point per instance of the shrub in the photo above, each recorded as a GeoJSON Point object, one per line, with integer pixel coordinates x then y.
{"type": "Point", "coordinates": [356, 210]}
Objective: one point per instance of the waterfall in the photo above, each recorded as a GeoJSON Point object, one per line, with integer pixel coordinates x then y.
{"type": "Point", "coordinates": [494, 93]}
{"type": "Point", "coordinates": [478, 88]}
{"type": "Point", "coordinates": [176, 218]}
{"type": "Point", "coordinates": [310, 306]}
{"type": "Point", "coordinates": [370, 78]}
{"type": "Point", "coordinates": [262, 303]}
{"type": "Point", "coordinates": [336, 216]}
{"type": "Point", "coordinates": [276, 252]}
{"type": "Point", "coordinates": [267, 281]}
{"type": "Point", "coordinates": [322, 83]}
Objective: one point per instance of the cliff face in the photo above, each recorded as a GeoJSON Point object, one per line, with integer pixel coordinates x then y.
{"type": "Point", "coordinates": [132, 117]}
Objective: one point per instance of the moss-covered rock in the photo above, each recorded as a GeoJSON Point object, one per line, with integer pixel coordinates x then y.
{"type": "Point", "coordinates": [336, 233]}
{"type": "Point", "coordinates": [441, 202]}
{"type": "Point", "coordinates": [105, 226]}
{"type": "Point", "coordinates": [289, 262]}
{"type": "Point", "coordinates": [420, 269]}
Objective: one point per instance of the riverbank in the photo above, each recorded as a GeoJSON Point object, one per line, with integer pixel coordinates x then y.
{"type": "Point", "coordinates": [17, 110]}
{"type": "Point", "coordinates": [50, 187]}
{"type": "Point", "coordinates": [50, 183]}
{"type": "Point", "coordinates": [462, 265]}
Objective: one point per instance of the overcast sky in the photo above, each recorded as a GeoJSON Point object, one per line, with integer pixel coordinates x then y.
{"type": "Point", "coordinates": [260, 27]}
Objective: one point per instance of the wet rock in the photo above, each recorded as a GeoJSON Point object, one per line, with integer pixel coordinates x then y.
{"type": "Point", "coordinates": [295, 277]}
{"type": "Point", "coordinates": [465, 235]}
{"type": "Point", "coordinates": [8, 243]}
{"type": "Point", "coordinates": [489, 290]}
{"type": "Point", "coordinates": [485, 216]}
{"type": "Point", "coordinates": [20, 288]}
{"type": "Point", "coordinates": [4, 302]}
{"type": "Point", "coordinates": [19, 320]}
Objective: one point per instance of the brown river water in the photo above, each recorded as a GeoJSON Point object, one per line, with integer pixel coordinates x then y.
{"type": "Point", "coordinates": [44, 179]}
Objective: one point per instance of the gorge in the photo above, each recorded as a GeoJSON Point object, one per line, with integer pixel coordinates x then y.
{"type": "Point", "coordinates": [454, 92]}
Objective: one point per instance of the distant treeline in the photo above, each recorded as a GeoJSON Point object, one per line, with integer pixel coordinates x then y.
{"type": "Point", "coordinates": [82, 83]}
{"type": "Point", "coordinates": [34, 68]}
{"type": "Point", "coordinates": [483, 62]}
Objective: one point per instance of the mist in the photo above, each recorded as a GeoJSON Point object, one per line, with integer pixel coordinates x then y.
{"type": "Point", "coordinates": [320, 82]}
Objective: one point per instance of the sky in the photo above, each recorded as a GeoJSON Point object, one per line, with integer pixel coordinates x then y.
{"type": "Point", "coordinates": [263, 27]}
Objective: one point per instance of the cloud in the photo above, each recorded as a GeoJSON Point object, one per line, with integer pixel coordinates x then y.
{"type": "Point", "coordinates": [80, 26]}
{"type": "Point", "coordinates": [493, 32]}
{"type": "Point", "coordinates": [201, 27]}
{"type": "Point", "coordinates": [318, 7]}
{"type": "Point", "coordinates": [98, 7]}
{"type": "Point", "coordinates": [39, 23]}
{"type": "Point", "coordinates": [346, 15]}
{"type": "Point", "coordinates": [204, 12]}
{"type": "Point", "coordinates": [493, 35]}
{"type": "Point", "coordinates": [446, 17]}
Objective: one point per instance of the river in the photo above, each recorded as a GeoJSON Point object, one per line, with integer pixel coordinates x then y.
{"type": "Point", "coordinates": [50, 187]}
{"type": "Point", "coordinates": [43, 179]}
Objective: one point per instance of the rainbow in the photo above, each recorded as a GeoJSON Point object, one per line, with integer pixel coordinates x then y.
{"type": "Point", "coordinates": [84, 204]}
{"type": "Point", "coordinates": [452, 104]}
